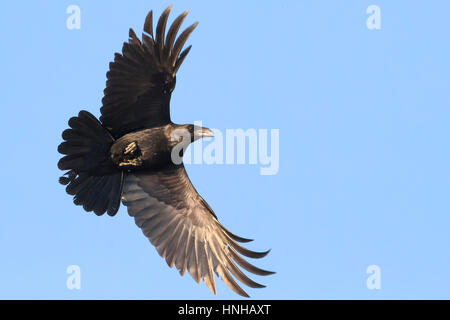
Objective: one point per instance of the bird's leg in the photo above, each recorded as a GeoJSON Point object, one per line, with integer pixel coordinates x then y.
{"type": "Point", "coordinates": [131, 156]}
{"type": "Point", "coordinates": [131, 149]}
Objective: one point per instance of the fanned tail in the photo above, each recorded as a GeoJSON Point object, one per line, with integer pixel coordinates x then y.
{"type": "Point", "coordinates": [91, 177]}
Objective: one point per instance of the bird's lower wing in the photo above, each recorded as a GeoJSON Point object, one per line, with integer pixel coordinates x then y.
{"type": "Point", "coordinates": [185, 231]}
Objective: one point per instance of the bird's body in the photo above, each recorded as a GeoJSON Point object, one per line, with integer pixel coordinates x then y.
{"type": "Point", "coordinates": [144, 149]}
{"type": "Point", "coordinates": [132, 154]}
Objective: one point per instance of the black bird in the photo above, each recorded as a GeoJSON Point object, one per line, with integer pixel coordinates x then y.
{"type": "Point", "coordinates": [126, 155]}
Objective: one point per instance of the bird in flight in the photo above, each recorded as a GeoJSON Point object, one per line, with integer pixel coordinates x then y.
{"type": "Point", "coordinates": [127, 155]}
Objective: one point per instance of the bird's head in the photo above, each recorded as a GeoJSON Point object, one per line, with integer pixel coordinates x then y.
{"type": "Point", "coordinates": [187, 133]}
{"type": "Point", "coordinates": [180, 136]}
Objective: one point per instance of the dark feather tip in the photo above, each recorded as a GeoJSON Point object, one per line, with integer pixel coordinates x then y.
{"type": "Point", "coordinates": [64, 180]}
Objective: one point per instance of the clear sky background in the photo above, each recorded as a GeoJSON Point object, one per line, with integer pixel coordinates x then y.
{"type": "Point", "coordinates": [364, 174]}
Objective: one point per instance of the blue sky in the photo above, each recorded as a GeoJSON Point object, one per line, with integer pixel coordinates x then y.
{"type": "Point", "coordinates": [364, 159]}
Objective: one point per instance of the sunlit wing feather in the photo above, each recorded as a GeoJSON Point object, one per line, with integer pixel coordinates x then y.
{"type": "Point", "coordinates": [185, 231]}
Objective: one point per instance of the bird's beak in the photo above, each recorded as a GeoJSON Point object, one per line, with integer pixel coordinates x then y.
{"type": "Point", "coordinates": [204, 133]}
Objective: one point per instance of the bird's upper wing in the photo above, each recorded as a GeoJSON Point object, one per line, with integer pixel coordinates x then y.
{"type": "Point", "coordinates": [185, 230]}
{"type": "Point", "coordinates": [141, 79]}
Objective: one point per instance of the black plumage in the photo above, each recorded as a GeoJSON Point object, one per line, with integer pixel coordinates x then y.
{"type": "Point", "coordinates": [127, 156]}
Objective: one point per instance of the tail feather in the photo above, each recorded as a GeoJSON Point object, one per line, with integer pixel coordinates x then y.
{"type": "Point", "coordinates": [92, 178]}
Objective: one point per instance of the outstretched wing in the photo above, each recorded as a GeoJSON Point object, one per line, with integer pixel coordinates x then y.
{"type": "Point", "coordinates": [185, 230]}
{"type": "Point", "coordinates": [141, 79]}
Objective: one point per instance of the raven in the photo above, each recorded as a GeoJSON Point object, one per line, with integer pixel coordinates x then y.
{"type": "Point", "coordinates": [126, 156]}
